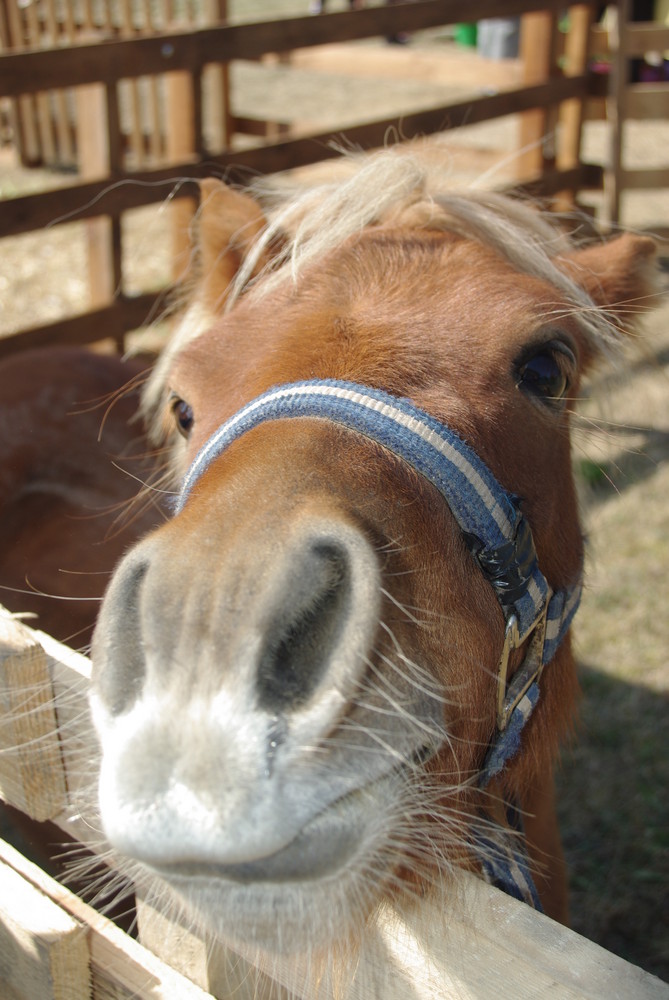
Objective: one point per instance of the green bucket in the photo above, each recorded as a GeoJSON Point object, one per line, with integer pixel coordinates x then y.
{"type": "Point", "coordinates": [465, 34]}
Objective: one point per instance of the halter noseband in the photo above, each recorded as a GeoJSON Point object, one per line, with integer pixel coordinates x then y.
{"type": "Point", "coordinates": [491, 522]}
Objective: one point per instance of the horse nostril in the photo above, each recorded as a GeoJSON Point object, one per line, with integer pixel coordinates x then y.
{"type": "Point", "coordinates": [304, 633]}
{"type": "Point", "coordinates": [119, 667]}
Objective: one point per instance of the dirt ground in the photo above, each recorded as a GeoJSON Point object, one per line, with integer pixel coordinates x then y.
{"type": "Point", "coordinates": [614, 781]}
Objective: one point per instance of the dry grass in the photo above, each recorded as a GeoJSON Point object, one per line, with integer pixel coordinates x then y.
{"type": "Point", "coordinates": [614, 782]}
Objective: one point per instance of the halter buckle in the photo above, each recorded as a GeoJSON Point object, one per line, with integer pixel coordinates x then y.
{"type": "Point", "coordinates": [509, 695]}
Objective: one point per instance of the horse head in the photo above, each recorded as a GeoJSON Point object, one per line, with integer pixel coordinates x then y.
{"type": "Point", "coordinates": [299, 679]}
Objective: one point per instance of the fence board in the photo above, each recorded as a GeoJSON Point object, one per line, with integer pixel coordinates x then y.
{"type": "Point", "coordinates": [83, 201]}
{"type": "Point", "coordinates": [638, 180]}
{"type": "Point", "coordinates": [464, 940]}
{"type": "Point", "coordinates": [649, 37]}
{"type": "Point", "coordinates": [628, 101]}
{"type": "Point", "coordinates": [43, 953]}
{"type": "Point", "coordinates": [646, 101]}
{"type": "Point", "coordinates": [32, 776]}
{"type": "Point", "coordinates": [120, 968]}
{"type": "Point", "coordinates": [111, 322]}
{"type": "Point", "coordinates": [32, 71]}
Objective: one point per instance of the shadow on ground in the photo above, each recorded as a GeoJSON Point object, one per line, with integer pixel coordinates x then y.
{"type": "Point", "coordinates": [614, 814]}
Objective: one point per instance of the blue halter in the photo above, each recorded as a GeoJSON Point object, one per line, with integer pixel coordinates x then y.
{"type": "Point", "coordinates": [489, 517]}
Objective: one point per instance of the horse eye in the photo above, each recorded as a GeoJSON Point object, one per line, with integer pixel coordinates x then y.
{"type": "Point", "coordinates": [183, 415]}
{"type": "Point", "coordinates": [543, 375]}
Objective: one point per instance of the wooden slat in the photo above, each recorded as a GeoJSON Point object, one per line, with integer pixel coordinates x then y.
{"type": "Point", "coordinates": [572, 112]}
{"type": "Point", "coordinates": [45, 127]}
{"type": "Point", "coordinates": [132, 91]}
{"type": "Point", "coordinates": [648, 37]}
{"type": "Point", "coordinates": [120, 968]}
{"type": "Point", "coordinates": [632, 101]}
{"type": "Point", "coordinates": [34, 71]}
{"type": "Point", "coordinates": [214, 967]}
{"type": "Point", "coordinates": [43, 952]}
{"type": "Point", "coordinates": [32, 776]}
{"type": "Point", "coordinates": [640, 180]}
{"type": "Point", "coordinates": [218, 84]}
{"type": "Point", "coordinates": [94, 162]}
{"type": "Point", "coordinates": [27, 134]}
{"type": "Point", "coordinates": [82, 201]}
{"type": "Point", "coordinates": [537, 54]}
{"type": "Point", "coordinates": [125, 313]}
{"type": "Point", "coordinates": [256, 126]}
{"type": "Point", "coordinates": [465, 939]}
{"type": "Point", "coordinates": [152, 89]}
{"type": "Point", "coordinates": [615, 105]}
{"type": "Point", "coordinates": [585, 176]}
{"type": "Point", "coordinates": [66, 152]}
{"type": "Point", "coordinates": [647, 101]}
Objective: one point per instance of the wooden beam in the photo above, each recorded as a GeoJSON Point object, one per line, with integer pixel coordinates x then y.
{"type": "Point", "coordinates": [111, 322]}
{"type": "Point", "coordinates": [644, 179]}
{"type": "Point", "coordinates": [462, 939]}
{"type": "Point", "coordinates": [32, 776]}
{"type": "Point", "coordinates": [33, 71]}
{"type": "Point", "coordinates": [572, 113]}
{"type": "Point", "coordinates": [43, 952]}
{"type": "Point", "coordinates": [646, 37]}
{"type": "Point", "coordinates": [537, 54]}
{"type": "Point", "coordinates": [585, 176]}
{"type": "Point", "coordinates": [93, 147]}
{"type": "Point", "coordinates": [81, 201]}
{"type": "Point", "coordinates": [646, 101]}
{"type": "Point", "coordinates": [120, 968]}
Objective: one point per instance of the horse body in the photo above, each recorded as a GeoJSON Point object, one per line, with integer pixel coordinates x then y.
{"type": "Point", "coordinates": [64, 523]}
{"type": "Point", "coordinates": [295, 678]}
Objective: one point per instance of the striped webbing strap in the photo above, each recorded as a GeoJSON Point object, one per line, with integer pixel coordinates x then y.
{"type": "Point", "coordinates": [489, 517]}
{"type": "Point", "coordinates": [504, 860]}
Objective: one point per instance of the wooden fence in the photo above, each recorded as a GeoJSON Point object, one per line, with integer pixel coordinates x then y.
{"type": "Point", "coordinates": [54, 946]}
{"type": "Point", "coordinates": [636, 100]}
{"type": "Point", "coordinates": [122, 172]}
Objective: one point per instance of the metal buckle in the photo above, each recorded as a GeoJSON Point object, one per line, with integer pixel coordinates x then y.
{"type": "Point", "coordinates": [530, 669]}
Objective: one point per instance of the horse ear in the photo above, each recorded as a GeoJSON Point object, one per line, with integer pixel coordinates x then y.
{"type": "Point", "coordinates": [228, 224]}
{"type": "Point", "coordinates": [620, 275]}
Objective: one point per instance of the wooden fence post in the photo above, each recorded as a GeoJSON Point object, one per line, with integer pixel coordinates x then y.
{"type": "Point", "coordinates": [581, 18]}
{"type": "Point", "coordinates": [538, 45]}
{"type": "Point", "coordinates": [95, 145]}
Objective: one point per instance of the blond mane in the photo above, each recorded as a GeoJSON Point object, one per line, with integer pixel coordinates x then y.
{"type": "Point", "coordinates": [394, 187]}
{"type": "Point", "coordinates": [399, 187]}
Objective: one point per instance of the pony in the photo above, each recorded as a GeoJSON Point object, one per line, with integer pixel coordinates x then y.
{"type": "Point", "coordinates": [67, 507]}
{"type": "Point", "coordinates": [340, 673]}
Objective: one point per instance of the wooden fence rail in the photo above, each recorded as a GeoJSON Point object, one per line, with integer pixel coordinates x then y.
{"type": "Point", "coordinates": [110, 185]}
{"type": "Point", "coordinates": [43, 687]}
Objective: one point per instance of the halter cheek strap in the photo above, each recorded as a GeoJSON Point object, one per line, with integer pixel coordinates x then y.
{"type": "Point", "coordinates": [489, 517]}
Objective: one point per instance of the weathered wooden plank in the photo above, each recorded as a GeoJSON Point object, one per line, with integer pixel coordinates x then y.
{"type": "Point", "coordinates": [110, 322]}
{"type": "Point", "coordinates": [464, 939]}
{"type": "Point", "coordinates": [643, 179]}
{"type": "Point", "coordinates": [585, 176]}
{"type": "Point", "coordinates": [537, 54]}
{"type": "Point", "coordinates": [126, 59]}
{"type": "Point", "coordinates": [575, 63]}
{"type": "Point", "coordinates": [646, 37]}
{"type": "Point", "coordinates": [646, 101]}
{"type": "Point", "coordinates": [81, 201]}
{"type": "Point", "coordinates": [120, 968]}
{"type": "Point", "coordinates": [32, 777]}
{"type": "Point", "coordinates": [43, 952]}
